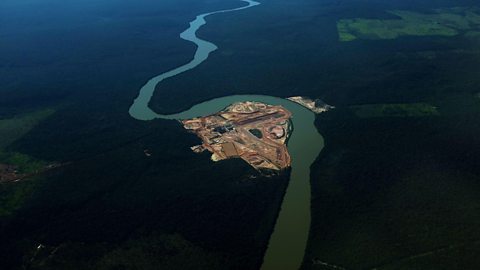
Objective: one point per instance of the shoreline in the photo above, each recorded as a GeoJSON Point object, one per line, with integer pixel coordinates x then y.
{"type": "Point", "coordinates": [288, 240]}
{"type": "Point", "coordinates": [140, 108]}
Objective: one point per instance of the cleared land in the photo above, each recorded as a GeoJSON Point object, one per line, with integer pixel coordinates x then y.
{"type": "Point", "coordinates": [317, 106]}
{"type": "Point", "coordinates": [13, 165]}
{"type": "Point", "coordinates": [441, 22]}
{"type": "Point", "coordinates": [253, 131]}
{"type": "Point", "coordinates": [16, 166]}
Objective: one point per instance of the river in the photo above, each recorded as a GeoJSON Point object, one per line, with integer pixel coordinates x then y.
{"type": "Point", "coordinates": [287, 243]}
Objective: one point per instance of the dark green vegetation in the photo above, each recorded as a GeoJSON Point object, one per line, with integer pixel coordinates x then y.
{"type": "Point", "coordinates": [13, 129]}
{"type": "Point", "coordinates": [12, 197]}
{"type": "Point", "coordinates": [113, 204]}
{"type": "Point", "coordinates": [256, 132]}
{"type": "Point", "coordinates": [396, 186]}
{"type": "Point", "coordinates": [441, 22]}
{"type": "Point", "coordinates": [391, 110]}
{"type": "Point", "coordinates": [399, 193]}
{"type": "Point", "coordinates": [389, 192]}
{"type": "Point", "coordinates": [25, 163]}
{"type": "Point", "coordinates": [113, 207]}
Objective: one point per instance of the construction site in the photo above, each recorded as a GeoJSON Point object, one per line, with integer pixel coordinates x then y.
{"type": "Point", "coordinates": [253, 131]}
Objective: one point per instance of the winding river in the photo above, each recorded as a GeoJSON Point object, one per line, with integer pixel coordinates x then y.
{"type": "Point", "coordinates": [287, 243]}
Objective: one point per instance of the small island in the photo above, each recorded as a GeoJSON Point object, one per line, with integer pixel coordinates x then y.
{"type": "Point", "coordinates": [253, 131]}
{"type": "Point", "coordinates": [317, 106]}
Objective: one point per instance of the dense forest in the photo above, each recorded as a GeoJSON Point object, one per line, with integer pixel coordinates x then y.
{"type": "Point", "coordinates": [394, 188]}
{"type": "Point", "coordinates": [110, 205]}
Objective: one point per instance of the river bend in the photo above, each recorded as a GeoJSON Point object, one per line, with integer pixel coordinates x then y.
{"type": "Point", "coordinates": [287, 243]}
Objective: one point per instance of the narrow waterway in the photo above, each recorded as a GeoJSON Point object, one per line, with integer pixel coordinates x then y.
{"type": "Point", "coordinates": [139, 108]}
{"type": "Point", "coordinates": [287, 244]}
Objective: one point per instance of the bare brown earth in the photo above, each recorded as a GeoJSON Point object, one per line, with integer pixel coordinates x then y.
{"type": "Point", "coordinates": [253, 131]}
{"type": "Point", "coordinates": [11, 173]}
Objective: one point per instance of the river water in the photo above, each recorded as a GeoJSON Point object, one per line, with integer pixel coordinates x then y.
{"type": "Point", "coordinates": [287, 244]}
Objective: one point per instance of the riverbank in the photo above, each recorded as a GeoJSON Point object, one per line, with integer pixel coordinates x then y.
{"type": "Point", "coordinates": [288, 242]}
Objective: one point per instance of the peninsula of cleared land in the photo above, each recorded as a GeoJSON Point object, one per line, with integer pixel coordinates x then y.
{"type": "Point", "coordinates": [253, 131]}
